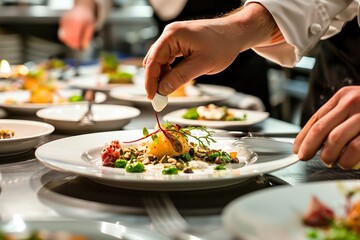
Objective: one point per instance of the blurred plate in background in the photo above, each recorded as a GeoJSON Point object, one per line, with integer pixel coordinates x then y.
{"type": "Point", "coordinates": [208, 94]}
{"type": "Point", "coordinates": [18, 101]}
{"type": "Point", "coordinates": [252, 117]}
{"type": "Point", "coordinates": [107, 117]}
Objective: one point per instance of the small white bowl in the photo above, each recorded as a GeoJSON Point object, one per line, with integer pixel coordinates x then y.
{"type": "Point", "coordinates": [28, 134]}
{"type": "Point", "coordinates": [107, 117]}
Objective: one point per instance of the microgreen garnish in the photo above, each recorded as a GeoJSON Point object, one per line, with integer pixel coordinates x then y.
{"type": "Point", "coordinates": [168, 130]}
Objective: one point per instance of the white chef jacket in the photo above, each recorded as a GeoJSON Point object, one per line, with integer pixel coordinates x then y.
{"type": "Point", "coordinates": [303, 23]}
{"type": "Point", "coordinates": [103, 9]}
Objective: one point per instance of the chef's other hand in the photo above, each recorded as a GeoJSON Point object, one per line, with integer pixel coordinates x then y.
{"type": "Point", "coordinates": [208, 47]}
{"type": "Point", "coordinates": [76, 27]}
{"type": "Point", "coordinates": [335, 128]}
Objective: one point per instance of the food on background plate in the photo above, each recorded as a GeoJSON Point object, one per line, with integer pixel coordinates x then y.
{"type": "Point", "coordinates": [186, 90]}
{"type": "Point", "coordinates": [120, 77]}
{"type": "Point", "coordinates": [43, 235]}
{"type": "Point", "coordinates": [53, 63]}
{"type": "Point", "coordinates": [213, 113]}
{"type": "Point", "coordinates": [110, 65]}
{"type": "Point", "coordinates": [324, 224]}
{"type": "Point", "coordinates": [169, 150]}
{"type": "Point", "coordinates": [6, 134]}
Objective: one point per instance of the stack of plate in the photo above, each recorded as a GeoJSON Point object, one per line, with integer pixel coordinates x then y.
{"type": "Point", "coordinates": [11, 48]}
{"type": "Point", "coordinates": [38, 49]}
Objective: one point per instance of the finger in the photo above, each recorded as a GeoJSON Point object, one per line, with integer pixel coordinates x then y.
{"type": "Point", "coordinates": [87, 36]}
{"type": "Point", "coordinates": [351, 155]}
{"type": "Point", "coordinates": [189, 69]}
{"type": "Point", "coordinates": [152, 74]}
{"type": "Point", "coordinates": [155, 61]}
{"type": "Point", "coordinates": [338, 138]}
{"type": "Point", "coordinates": [324, 110]}
{"type": "Point", "coordinates": [319, 131]}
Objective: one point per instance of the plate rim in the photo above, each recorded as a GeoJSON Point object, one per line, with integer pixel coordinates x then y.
{"type": "Point", "coordinates": [176, 100]}
{"type": "Point", "coordinates": [136, 112]}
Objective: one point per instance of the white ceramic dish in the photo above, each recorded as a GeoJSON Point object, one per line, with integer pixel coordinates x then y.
{"type": "Point", "coordinates": [92, 230]}
{"type": "Point", "coordinates": [21, 97]}
{"type": "Point", "coordinates": [253, 117]}
{"type": "Point", "coordinates": [94, 81]}
{"type": "Point", "coordinates": [210, 93]}
{"type": "Point", "coordinates": [28, 134]}
{"type": "Point", "coordinates": [81, 155]}
{"type": "Point", "coordinates": [107, 117]}
{"type": "Point", "coordinates": [279, 210]}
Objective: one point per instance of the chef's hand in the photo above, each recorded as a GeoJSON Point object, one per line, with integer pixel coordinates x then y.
{"type": "Point", "coordinates": [76, 27]}
{"type": "Point", "coordinates": [335, 128]}
{"type": "Point", "coordinates": [208, 47]}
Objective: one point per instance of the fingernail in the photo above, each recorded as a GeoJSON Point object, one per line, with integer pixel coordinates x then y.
{"type": "Point", "coordinates": [166, 88]}
{"type": "Point", "coordinates": [295, 149]}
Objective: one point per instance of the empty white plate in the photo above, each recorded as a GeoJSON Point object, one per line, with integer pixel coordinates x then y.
{"type": "Point", "coordinates": [107, 117]}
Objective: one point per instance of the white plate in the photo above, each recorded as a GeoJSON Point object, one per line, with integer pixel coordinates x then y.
{"type": "Point", "coordinates": [22, 96]}
{"type": "Point", "coordinates": [211, 93]}
{"type": "Point", "coordinates": [28, 134]}
{"type": "Point", "coordinates": [81, 155]}
{"type": "Point", "coordinates": [252, 118]}
{"type": "Point", "coordinates": [90, 229]}
{"type": "Point", "coordinates": [95, 81]}
{"type": "Point", "coordinates": [107, 117]}
{"type": "Point", "coordinates": [279, 210]}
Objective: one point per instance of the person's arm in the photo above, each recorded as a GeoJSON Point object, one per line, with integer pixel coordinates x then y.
{"type": "Point", "coordinates": [209, 46]}
{"type": "Point", "coordinates": [77, 26]}
{"type": "Point", "coordinates": [302, 24]}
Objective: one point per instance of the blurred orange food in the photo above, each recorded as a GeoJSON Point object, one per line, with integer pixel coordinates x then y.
{"type": "Point", "coordinates": [42, 94]}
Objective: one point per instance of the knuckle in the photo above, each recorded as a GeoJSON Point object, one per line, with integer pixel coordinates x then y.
{"type": "Point", "coordinates": [334, 137]}
{"type": "Point", "coordinates": [318, 128]}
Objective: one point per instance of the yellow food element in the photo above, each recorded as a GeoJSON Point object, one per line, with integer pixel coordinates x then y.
{"type": "Point", "coordinates": [180, 92]}
{"type": "Point", "coordinates": [233, 154]}
{"type": "Point", "coordinates": [42, 94]}
{"type": "Point", "coordinates": [30, 83]}
{"type": "Point", "coordinates": [34, 79]}
{"type": "Point", "coordinates": [163, 146]}
{"type": "Point", "coordinates": [6, 134]}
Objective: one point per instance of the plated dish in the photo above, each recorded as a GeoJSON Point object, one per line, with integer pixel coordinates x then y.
{"type": "Point", "coordinates": [18, 101]}
{"type": "Point", "coordinates": [252, 117]}
{"type": "Point", "coordinates": [107, 117]}
{"type": "Point", "coordinates": [26, 135]}
{"type": "Point", "coordinates": [98, 82]}
{"type": "Point", "coordinates": [251, 217]}
{"type": "Point", "coordinates": [81, 155]}
{"type": "Point", "coordinates": [207, 93]}
{"type": "Point", "coordinates": [72, 230]}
